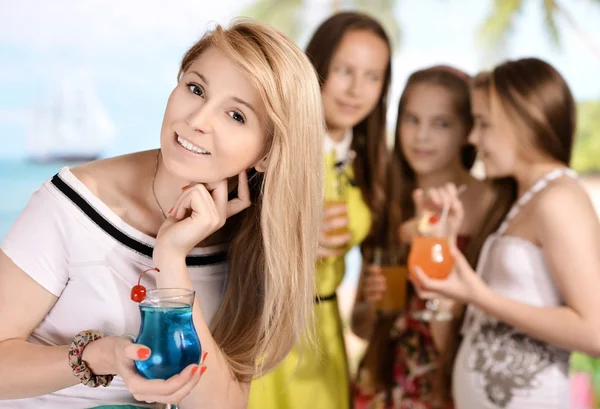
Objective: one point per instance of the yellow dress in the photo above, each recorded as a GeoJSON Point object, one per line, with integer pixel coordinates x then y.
{"type": "Point", "coordinates": [321, 379]}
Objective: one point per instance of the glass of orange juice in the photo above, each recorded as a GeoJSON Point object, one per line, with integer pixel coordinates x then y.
{"type": "Point", "coordinates": [396, 276]}
{"type": "Point", "coordinates": [340, 230]}
{"type": "Point", "coordinates": [430, 251]}
{"type": "Point", "coordinates": [335, 193]}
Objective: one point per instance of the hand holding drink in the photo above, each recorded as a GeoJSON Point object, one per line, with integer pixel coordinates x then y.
{"type": "Point", "coordinates": [462, 283]}
{"type": "Point", "coordinates": [336, 218]}
{"type": "Point", "coordinates": [168, 333]}
{"type": "Point", "coordinates": [430, 249]}
{"type": "Point", "coordinates": [439, 221]}
{"type": "Point", "coordinates": [168, 330]}
{"type": "Point", "coordinates": [385, 284]}
{"type": "Point", "coordinates": [334, 235]}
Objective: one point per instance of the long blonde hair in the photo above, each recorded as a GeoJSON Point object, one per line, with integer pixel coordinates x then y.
{"type": "Point", "coordinates": [268, 303]}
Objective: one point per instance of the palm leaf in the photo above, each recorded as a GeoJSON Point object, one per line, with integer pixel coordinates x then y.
{"type": "Point", "coordinates": [590, 42]}
{"type": "Point", "coordinates": [499, 22]}
{"type": "Point", "coordinates": [586, 152]}
{"type": "Point", "coordinates": [282, 14]}
{"type": "Point", "coordinates": [550, 11]}
{"type": "Point", "coordinates": [383, 11]}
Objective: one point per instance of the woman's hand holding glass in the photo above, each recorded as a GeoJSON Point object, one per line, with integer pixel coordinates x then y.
{"type": "Point", "coordinates": [117, 355]}
{"type": "Point", "coordinates": [462, 283]}
{"type": "Point", "coordinates": [439, 215]}
{"type": "Point", "coordinates": [334, 235]}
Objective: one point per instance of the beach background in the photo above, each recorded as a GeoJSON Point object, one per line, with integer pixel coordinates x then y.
{"type": "Point", "coordinates": [81, 79]}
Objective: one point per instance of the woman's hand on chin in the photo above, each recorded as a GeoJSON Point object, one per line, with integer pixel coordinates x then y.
{"type": "Point", "coordinates": [199, 212]}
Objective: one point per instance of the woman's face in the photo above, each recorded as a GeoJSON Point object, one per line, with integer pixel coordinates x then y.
{"type": "Point", "coordinates": [215, 124]}
{"type": "Point", "coordinates": [432, 133]}
{"type": "Point", "coordinates": [355, 79]}
{"type": "Point", "coordinates": [495, 144]}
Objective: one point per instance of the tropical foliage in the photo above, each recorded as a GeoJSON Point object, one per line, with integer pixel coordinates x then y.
{"type": "Point", "coordinates": [586, 155]}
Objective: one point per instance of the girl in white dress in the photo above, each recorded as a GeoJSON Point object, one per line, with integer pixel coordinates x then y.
{"type": "Point", "coordinates": [246, 100]}
{"type": "Point", "coordinates": [534, 297]}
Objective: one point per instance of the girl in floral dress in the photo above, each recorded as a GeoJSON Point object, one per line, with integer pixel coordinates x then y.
{"type": "Point", "coordinates": [408, 362]}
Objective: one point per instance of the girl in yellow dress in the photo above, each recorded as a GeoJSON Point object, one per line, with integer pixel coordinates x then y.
{"type": "Point", "coordinates": [351, 54]}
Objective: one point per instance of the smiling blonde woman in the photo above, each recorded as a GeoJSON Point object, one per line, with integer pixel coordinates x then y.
{"type": "Point", "coordinates": [227, 207]}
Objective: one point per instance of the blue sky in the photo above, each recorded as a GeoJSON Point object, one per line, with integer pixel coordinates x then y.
{"type": "Point", "coordinates": [129, 52]}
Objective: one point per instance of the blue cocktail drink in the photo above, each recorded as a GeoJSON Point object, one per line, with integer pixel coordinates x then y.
{"type": "Point", "coordinates": [168, 330]}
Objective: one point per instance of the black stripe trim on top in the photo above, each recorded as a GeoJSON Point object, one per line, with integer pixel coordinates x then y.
{"type": "Point", "coordinates": [120, 236]}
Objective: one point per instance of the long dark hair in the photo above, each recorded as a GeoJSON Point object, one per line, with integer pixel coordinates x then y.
{"type": "Point", "coordinates": [402, 178]}
{"type": "Point", "coordinates": [369, 135]}
{"type": "Point", "coordinates": [400, 208]}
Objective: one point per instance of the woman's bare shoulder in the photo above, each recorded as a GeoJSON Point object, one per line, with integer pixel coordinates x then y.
{"type": "Point", "coordinates": [104, 177]}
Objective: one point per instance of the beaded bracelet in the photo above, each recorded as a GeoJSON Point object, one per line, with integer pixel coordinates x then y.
{"type": "Point", "coordinates": [78, 365]}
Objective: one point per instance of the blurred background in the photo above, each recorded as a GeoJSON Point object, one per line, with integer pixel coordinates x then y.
{"type": "Point", "coordinates": [85, 79]}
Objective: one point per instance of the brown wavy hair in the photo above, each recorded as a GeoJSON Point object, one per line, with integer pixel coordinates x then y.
{"type": "Point", "coordinates": [369, 140]}
{"type": "Point", "coordinates": [402, 179]}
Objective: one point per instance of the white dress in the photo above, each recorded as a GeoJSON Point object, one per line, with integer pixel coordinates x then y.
{"type": "Point", "coordinates": [498, 366]}
{"type": "Point", "coordinates": [75, 247]}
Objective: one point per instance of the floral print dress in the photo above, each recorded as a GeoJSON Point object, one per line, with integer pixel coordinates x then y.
{"type": "Point", "coordinates": [414, 366]}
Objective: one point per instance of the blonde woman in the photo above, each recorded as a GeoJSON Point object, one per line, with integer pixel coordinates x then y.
{"type": "Point", "coordinates": [247, 100]}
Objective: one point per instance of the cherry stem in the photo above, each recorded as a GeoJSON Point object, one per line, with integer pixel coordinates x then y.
{"type": "Point", "coordinates": [145, 271]}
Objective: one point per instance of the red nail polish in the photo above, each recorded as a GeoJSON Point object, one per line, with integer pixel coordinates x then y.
{"type": "Point", "coordinates": [143, 353]}
{"type": "Point", "coordinates": [204, 357]}
{"type": "Point", "coordinates": [170, 211]}
{"type": "Point", "coordinates": [434, 219]}
{"type": "Point", "coordinates": [202, 370]}
{"type": "Point", "coordinates": [183, 189]}
{"type": "Point", "coordinates": [194, 369]}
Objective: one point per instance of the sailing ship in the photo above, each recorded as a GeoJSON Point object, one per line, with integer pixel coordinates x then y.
{"type": "Point", "coordinates": [71, 125]}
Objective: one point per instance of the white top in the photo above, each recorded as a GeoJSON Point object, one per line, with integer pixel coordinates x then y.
{"type": "Point", "coordinates": [75, 247]}
{"type": "Point", "coordinates": [341, 148]}
{"type": "Point", "coordinates": [498, 366]}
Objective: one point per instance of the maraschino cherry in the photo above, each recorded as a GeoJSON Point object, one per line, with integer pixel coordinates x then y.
{"type": "Point", "coordinates": [434, 219]}
{"type": "Point", "coordinates": [138, 292]}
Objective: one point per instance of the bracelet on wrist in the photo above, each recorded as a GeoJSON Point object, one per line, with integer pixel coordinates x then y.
{"type": "Point", "coordinates": [79, 366]}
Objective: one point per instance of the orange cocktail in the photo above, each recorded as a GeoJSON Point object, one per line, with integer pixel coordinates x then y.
{"type": "Point", "coordinates": [432, 255]}
{"type": "Point", "coordinates": [394, 297]}
{"type": "Point", "coordinates": [340, 230]}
